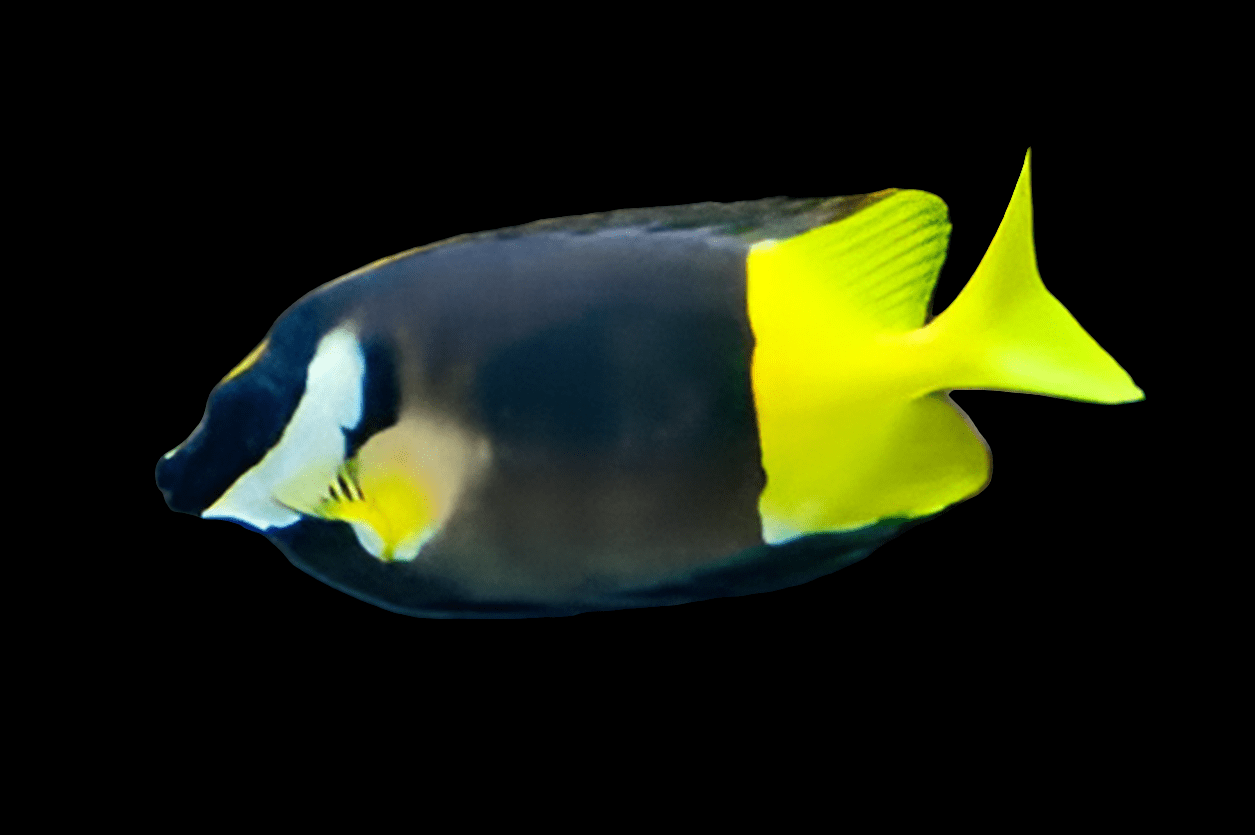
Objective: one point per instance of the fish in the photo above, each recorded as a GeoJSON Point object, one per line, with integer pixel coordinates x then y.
{"type": "Point", "coordinates": [636, 408]}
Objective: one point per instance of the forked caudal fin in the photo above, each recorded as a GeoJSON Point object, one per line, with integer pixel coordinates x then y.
{"type": "Point", "coordinates": [850, 384]}
{"type": "Point", "coordinates": [1006, 332]}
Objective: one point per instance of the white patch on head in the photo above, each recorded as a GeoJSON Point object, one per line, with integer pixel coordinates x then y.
{"type": "Point", "coordinates": [296, 471]}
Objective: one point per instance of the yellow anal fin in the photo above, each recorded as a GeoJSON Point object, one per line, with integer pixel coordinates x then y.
{"type": "Point", "coordinates": [840, 469]}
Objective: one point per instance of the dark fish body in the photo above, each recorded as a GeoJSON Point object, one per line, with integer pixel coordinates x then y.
{"type": "Point", "coordinates": [576, 407]}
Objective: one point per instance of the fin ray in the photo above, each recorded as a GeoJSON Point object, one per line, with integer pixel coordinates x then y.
{"type": "Point", "coordinates": [841, 269]}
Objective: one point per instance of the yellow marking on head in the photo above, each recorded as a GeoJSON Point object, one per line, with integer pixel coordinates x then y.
{"type": "Point", "coordinates": [247, 362]}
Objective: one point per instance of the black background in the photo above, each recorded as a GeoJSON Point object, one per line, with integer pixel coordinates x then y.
{"type": "Point", "coordinates": [258, 202]}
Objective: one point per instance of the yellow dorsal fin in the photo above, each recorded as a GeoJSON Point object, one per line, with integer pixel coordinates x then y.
{"type": "Point", "coordinates": [871, 272]}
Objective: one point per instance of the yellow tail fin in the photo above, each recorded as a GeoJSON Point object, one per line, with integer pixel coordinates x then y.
{"type": "Point", "coordinates": [1006, 332]}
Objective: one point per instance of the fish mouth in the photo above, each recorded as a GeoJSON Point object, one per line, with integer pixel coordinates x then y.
{"type": "Point", "coordinates": [170, 479]}
{"type": "Point", "coordinates": [243, 419]}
